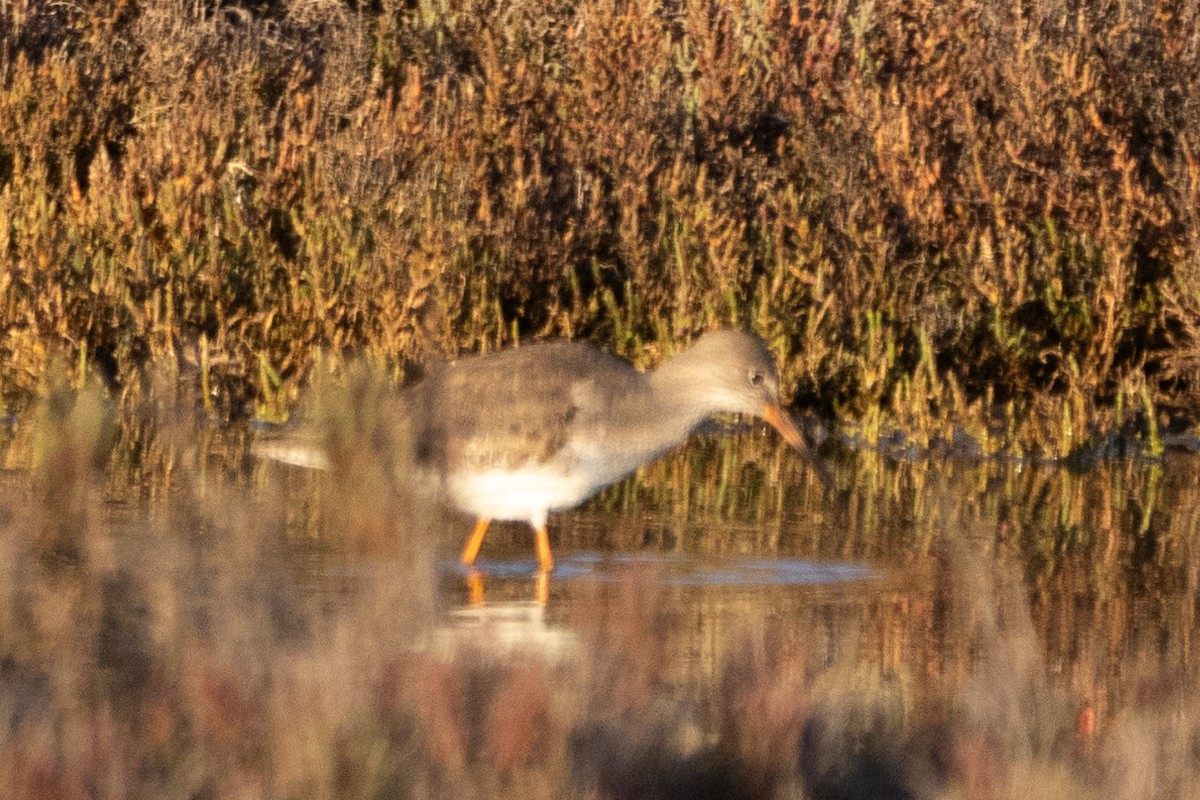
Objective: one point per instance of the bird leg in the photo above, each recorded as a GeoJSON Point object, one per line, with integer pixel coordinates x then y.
{"type": "Point", "coordinates": [475, 588]}
{"type": "Point", "coordinates": [542, 540]}
{"type": "Point", "coordinates": [475, 542]}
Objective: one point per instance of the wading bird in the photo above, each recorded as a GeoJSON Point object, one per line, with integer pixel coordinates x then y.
{"type": "Point", "coordinates": [516, 434]}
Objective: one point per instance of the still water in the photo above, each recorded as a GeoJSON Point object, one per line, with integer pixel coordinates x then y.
{"type": "Point", "coordinates": [197, 623]}
{"type": "Point", "coordinates": [899, 568]}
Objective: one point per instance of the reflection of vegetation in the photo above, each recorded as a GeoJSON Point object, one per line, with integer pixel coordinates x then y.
{"type": "Point", "coordinates": [1031, 632]}
{"type": "Point", "coordinates": [973, 223]}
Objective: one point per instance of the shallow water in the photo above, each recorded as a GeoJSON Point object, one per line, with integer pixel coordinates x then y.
{"type": "Point", "coordinates": [295, 622]}
{"type": "Point", "coordinates": [901, 567]}
{"type": "Point", "coordinates": [670, 570]}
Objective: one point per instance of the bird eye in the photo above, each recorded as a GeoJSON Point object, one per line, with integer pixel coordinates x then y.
{"type": "Point", "coordinates": [756, 378]}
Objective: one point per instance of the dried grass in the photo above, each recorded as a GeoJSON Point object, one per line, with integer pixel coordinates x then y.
{"type": "Point", "coordinates": [973, 217]}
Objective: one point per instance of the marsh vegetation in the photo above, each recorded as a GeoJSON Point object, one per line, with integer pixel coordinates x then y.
{"type": "Point", "coordinates": [968, 231]}
{"type": "Point", "coordinates": [969, 219]}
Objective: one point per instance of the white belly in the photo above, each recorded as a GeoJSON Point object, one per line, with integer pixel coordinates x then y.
{"type": "Point", "coordinates": [528, 492]}
{"type": "Point", "coordinates": [525, 494]}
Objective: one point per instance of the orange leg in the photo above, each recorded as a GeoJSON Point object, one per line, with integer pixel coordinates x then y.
{"type": "Point", "coordinates": [475, 542]}
{"type": "Point", "coordinates": [541, 587]}
{"type": "Point", "coordinates": [545, 560]}
{"type": "Point", "coordinates": [474, 588]}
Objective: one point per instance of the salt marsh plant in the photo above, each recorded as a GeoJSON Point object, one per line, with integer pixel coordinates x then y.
{"type": "Point", "coordinates": [973, 215]}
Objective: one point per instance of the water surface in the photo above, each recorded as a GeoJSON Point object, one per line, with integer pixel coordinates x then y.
{"type": "Point", "coordinates": [193, 622]}
{"type": "Point", "coordinates": [901, 567]}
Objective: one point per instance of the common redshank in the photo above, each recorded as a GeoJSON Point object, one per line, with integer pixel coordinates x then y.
{"type": "Point", "coordinates": [516, 434]}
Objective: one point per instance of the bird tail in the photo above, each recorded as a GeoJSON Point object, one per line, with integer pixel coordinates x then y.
{"type": "Point", "coordinates": [293, 449]}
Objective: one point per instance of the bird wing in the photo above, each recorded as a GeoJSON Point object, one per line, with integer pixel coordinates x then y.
{"type": "Point", "coordinates": [513, 407]}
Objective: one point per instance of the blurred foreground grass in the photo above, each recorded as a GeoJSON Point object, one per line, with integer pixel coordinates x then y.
{"type": "Point", "coordinates": [971, 218]}
{"type": "Point", "coordinates": [1032, 633]}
